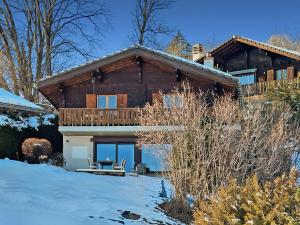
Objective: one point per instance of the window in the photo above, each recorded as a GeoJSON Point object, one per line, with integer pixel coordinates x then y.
{"type": "Point", "coordinates": [281, 74]}
{"type": "Point", "coordinates": [171, 101]}
{"type": "Point", "coordinates": [246, 79]}
{"type": "Point", "coordinates": [116, 152]}
{"type": "Point", "coordinates": [107, 101]}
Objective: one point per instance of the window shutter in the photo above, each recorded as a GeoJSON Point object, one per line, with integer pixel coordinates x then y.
{"type": "Point", "coordinates": [270, 75]}
{"type": "Point", "coordinates": [156, 97]}
{"type": "Point", "coordinates": [122, 100]}
{"type": "Point", "coordinates": [91, 101]}
{"type": "Point", "coordinates": [290, 73]}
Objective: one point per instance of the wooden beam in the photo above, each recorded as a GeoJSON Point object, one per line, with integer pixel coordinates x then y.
{"type": "Point", "coordinates": [139, 66]}
{"type": "Point", "coordinates": [62, 91]}
{"type": "Point", "coordinates": [178, 74]}
{"type": "Point", "coordinates": [99, 75]}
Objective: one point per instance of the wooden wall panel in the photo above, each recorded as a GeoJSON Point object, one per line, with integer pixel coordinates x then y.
{"type": "Point", "coordinates": [125, 81]}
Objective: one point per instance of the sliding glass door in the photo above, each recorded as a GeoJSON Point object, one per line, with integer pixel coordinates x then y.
{"type": "Point", "coordinates": [126, 152]}
{"type": "Point", "coordinates": [116, 152]}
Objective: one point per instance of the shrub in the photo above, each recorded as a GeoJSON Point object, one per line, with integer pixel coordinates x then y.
{"type": "Point", "coordinates": [215, 139]}
{"type": "Point", "coordinates": [57, 159]}
{"type": "Point", "coordinates": [275, 202]}
{"type": "Point", "coordinates": [36, 150]}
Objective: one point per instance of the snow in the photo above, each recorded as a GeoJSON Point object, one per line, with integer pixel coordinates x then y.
{"type": "Point", "coordinates": [7, 97]}
{"type": "Point", "coordinates": [26, 122]}
{"type": "Point", "coordinates": [43, 194]}
{"type": "Point", "coordinates": [157, 52]}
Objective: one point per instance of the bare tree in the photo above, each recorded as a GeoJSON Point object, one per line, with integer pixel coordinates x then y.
{"type": "Point", "coordinates": [211, 144]}
{"type": "Point", "coordinates": [284, 41]}
{"type": "Point", "coordinates": [36, 33]}
{"type": "Point", "coordinates": [179, 46]}
{"type": "Point", "coordinates": [147, 25]}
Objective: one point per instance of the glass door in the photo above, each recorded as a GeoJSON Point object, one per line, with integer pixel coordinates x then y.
{"type": "Point", "coordinates": [106, 152]}
{"type": "Point", "coordinates": [116, 152]}
{"type": "Point", "coordinates": [126, 151]}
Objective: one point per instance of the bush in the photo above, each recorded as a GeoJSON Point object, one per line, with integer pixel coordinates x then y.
{"type": "Point", "coordinates": [57, 159]}
{"type": "Point", "coordinates": [216, 139]}
{"type": "Point", "coordinates": [275, 202]}
{"type": "Point", "coordinates": [36, 150]}
{"type": "Point", "coordinates": [11, 138]}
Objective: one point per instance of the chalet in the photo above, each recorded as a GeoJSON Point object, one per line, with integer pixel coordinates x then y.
{"type": "Point", "coordinates": [10, 102]}
{"type": "Point", "coordinates": [97, 101]}
{"type": "Point", "coordinates": [254, 63]}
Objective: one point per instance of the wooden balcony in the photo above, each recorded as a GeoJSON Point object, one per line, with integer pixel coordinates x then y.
{"type": "Point", "coordinates": [98, 117]}
{"type": "Point", "coordinates": [261, 88]}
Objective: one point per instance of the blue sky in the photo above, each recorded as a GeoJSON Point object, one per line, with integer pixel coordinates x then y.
{"type": "Point", "coordinates": [209, 21]}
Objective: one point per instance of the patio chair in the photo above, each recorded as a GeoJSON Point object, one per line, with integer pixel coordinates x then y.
{"type": "Point", "coordinates": [120, 167]}
{"type": "Point", "coordinates": [92, 165]}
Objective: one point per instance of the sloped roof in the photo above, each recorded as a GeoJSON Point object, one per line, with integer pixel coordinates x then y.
{"type": "Point", "coordinates": [11, 101]}
{"type": "Point", "coordinates": [57, 77]}
{"type": "Point", "coordinates": [265, 46]}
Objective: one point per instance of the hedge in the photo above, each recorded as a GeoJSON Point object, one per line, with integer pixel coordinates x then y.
{"type": "Point", "coordinates": [11, 138]}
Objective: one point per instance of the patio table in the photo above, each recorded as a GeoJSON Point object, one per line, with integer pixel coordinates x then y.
{"type": "Point", "coordinates": [105, 163]}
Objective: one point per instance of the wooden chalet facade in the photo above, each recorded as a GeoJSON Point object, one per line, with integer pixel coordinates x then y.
{"type": "Point", "coordinates": [97, 101]}
{"type": "Point", "coordinates": [256, 64]}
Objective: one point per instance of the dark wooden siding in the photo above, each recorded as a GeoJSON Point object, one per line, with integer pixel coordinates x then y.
{"type": "Point", "coordinates": [125, 81]}
{"type": "Point", "coordinates": [257, 58]}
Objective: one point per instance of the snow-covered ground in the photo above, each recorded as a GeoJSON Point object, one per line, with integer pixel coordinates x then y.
{"type": "Point", "coordinates": [46, 195]}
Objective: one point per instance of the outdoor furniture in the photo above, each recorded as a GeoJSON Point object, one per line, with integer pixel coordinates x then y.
{"type": "Point", "coordinates": [105, 163]}
{"type": "Point", "coordinates": [92, 165]}
{"type": "Point", "coordinates": [141, 169]}
{"type": "Point", "coordinates": [103, 172]}
{"type": "Point", "coordinates": [120, 167]}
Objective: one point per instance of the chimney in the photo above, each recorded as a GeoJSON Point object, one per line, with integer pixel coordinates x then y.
{"type": "Point", "coordinates": [197, 51]}
{"type": "Point", "coordinates": [209, 60]}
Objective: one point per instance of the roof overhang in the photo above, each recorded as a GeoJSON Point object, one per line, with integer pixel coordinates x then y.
{"type": "Point", "coordinates": [12, 107]}
{"type": "Point", "coordinates": [208, 73]}
{"type": "Point", "coordinates": [264, 46]}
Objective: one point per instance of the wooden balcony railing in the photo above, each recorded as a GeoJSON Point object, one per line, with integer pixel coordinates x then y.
{"type": "Point", "coordinates": [261, 88]}
{"type": "Point", "coordinates": [98, 117]}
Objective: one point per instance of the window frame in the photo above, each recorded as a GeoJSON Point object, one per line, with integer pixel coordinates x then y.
{"type": "Point", "coordinates": [107, 101]}
{"type": "Point", "coordinates": [175, 103]}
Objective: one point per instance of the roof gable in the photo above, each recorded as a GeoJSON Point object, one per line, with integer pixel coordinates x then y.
{"type": "Point", "coordinates": [138, 50]}
{"type": "Point", "coordinates": [265, 46]}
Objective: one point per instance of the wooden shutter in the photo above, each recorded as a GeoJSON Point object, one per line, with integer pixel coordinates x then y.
{"type": "Point", "coordinates": [270, 75]}
{"type": "Point", "coordinates": [122, 100]}
{"type": "Point", "coordinates": [91, 101]}
{"type": "Point", "coordinates": [156, 96]}
{"type": "Point", "coordinates": [290, 73]}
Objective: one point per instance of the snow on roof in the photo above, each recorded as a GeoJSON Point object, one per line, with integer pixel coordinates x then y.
{"type": "Point", "coordinates": [272, 46]}
{"type": "Point", "coordinates": [235, 37]}
{"type": "Point", "coordinates": [8, 98]}
{"type": "Point", "coordinates": [158, 52]}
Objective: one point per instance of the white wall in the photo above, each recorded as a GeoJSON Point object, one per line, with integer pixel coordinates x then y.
{"type": "Point", "coordinates": [76, 150]}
